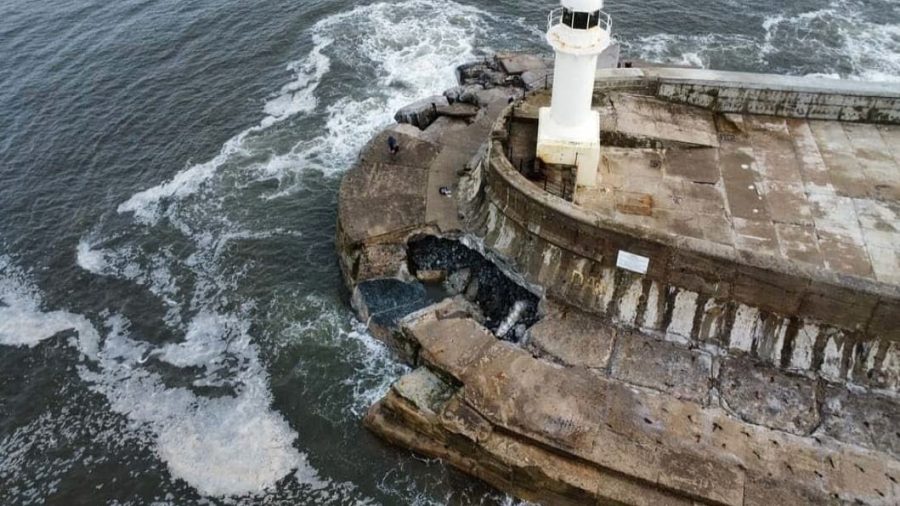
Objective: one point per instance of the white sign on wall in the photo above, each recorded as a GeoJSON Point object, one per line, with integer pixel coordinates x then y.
{"type": "Point", "coordinates": [632, 262]}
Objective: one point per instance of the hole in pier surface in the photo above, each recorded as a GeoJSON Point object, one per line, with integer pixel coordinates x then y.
{"type": "Point", "coordinates": [509, 308]}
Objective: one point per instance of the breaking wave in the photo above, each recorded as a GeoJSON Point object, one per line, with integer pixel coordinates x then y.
{"type": "Point", "coordinates": [397, 52]}
{"type": "Point", "coordinates": [226, 445]}
{"type": "Point", "coordinates": [202, 400]}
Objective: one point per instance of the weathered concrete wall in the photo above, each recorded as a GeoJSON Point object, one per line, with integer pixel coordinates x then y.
{"type": "Point", "coordinates": [694, 293]}
{"type": "Point", "coordinates": [735, 92]}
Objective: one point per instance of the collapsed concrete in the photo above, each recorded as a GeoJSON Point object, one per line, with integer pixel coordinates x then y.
{"type": "Point", "coordinates": [688, 384]}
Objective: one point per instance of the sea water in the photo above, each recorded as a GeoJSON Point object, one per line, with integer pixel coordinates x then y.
{"type": "Point", "coordinates": [172, 324]}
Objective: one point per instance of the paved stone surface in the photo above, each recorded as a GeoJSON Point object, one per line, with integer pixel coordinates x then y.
{"type": "Point", "coordinates": [395, 185]}
{"type": "Point", "coordinates": [457, 147]}
{"type": "Point", "coordinates": [663, 366]}
{"type": "Point", "coordinates": [454, 343]}
{"type": "Point", "coordinates": [574, 338]}
{"type": "Point", "coordinates": [822, 193]}
{"type": "Point", "coordinates": [518, 63]}
{"type": "Point", "coordinates": [678, 446]}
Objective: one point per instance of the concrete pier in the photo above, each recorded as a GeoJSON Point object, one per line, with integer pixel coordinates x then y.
{"type": "Point", "coordinates": [718, 319]}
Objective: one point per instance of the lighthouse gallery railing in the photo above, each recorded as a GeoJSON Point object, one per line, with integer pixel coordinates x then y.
{"type": "Point", "coordinates": [579, 20]}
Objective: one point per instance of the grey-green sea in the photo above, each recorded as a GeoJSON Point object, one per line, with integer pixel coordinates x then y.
{"type": "Point", "coordinates": [173, 327]}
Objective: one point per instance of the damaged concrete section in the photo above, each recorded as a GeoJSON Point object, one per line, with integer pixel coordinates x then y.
{"type": "Point", "coordinates": [715, 323]}
{"type": "Point", "coordinates": [513, 419]}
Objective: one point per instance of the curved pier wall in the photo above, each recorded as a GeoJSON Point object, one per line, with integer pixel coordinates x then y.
{"type": "Point", "coordinates": [692, 293]}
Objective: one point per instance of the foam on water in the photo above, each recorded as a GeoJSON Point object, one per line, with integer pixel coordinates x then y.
{"type": "Point", "coordinates": [840, 33]}
{"type": "Point", "coordinates": [233, 443]}
{"type": "Point", "coordinates": [410, 48]}
{"type": "Point", "coordinates": [841, 40]}
{"type": "Point", "coordinates": [222, 446]}
{"type": "Point", "coordinates": [295, 97]}
{"type": "Point", "coordinates": [22, 323]}
{"type": "Point", "coordinates": [400, 50]}
{"type": "Point", "coordinates": [330, 325]}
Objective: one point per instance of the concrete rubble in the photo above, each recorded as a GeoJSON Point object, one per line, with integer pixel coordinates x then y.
{"type": "Point", "coordinates": [756, 361]}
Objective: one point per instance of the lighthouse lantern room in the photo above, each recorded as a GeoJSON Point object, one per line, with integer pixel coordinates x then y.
{"type": "Point", "coordinates": [569, 130]}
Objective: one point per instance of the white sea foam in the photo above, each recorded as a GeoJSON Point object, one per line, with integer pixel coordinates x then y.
{"type": "Point", "coordinates": [22, 323]}
{"type": "Point", "coordinates": [841, 34]}
{"type": "Point", "coordinates": [410, 48]}
{"type": "Point", "coordinates": [405, 50]}
{"type": "Point", "coordinates": [295, 97]}
{"type": "Point", "coordinates": [324, 323]}
{"type": "Point", "coordinates": [222, 446]}
{"type": "Point", "coordinates": [233, 443]}
{"type": "Point", "coordinates": [838, 41]}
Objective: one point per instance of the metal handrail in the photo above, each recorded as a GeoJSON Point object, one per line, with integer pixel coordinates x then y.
{"type": "Point", "coordinates": [556, 18]}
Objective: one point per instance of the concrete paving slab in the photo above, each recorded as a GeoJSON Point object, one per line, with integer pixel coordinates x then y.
{"type": "Point", "coordinates": [662, 366]}
{"type": "Point", "coordinates": [812, 166]}
{"type": "Point", "coordinates": [574, 338]}
{"type": "Point", "coordinates": [756, 236]}
{"type": "Point", "coordinates": [799, 243]}
{"type": "Point", "coordinates": [697, 165]}
{"type": "Point", "coordinates": [518, 63]}
{"type": "Point", "coordinates": [787, 202]}
{"type": "Point", "coordinates": [800, 191]}
{"type": "Point", "coordinates": [775, 156]}
{"type": "Point", "coordinates": [846, 173]}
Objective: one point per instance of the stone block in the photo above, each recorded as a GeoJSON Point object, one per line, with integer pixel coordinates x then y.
{"type": "Point", "coordinates": [695, 165]}
{"type": "Point", "coordinates": [843, 307]}
{"type": "Point", "coordinates": [426, 391]}
{"type": "Point", "coordinates": [465, 94]}
{"type": "Point", "coordinates": [518, 63]}
{"type": "Point", "coordinates": [380, 261]}
{"type": "Point", "coordinates": [769, 290]}
{"type": "Point", "coordinates": [787, 202]}
{"type": "Point", "coordinates": [538, 79]}
{"type": "Point", "coordinates": [574, 338]}
{"type": "Point", "coordinates": [664, 366]}
{"type": "Point", "coordinates": [698, 474]}
{"type": "Point", "coordinates": [862, 418]}
{"type": "Point", "coordinates": [799, 243]}
{"type": "Point", "coordinates": [885, 321]}
{"type": "Point", "coordinates": [421, 113]}
{"type": "Point", "coordinates": [762, 490]}
{"type": "Point", "coordinates": [450, 345]}
{"type": "Point", "coordinates": [766, 396]}
{"type": "Point", "coordinates": [843, 255]}
{"type": "Point", "coordinates": [757, 237]}
{"type": "Point", "coordinates": [701, 274]}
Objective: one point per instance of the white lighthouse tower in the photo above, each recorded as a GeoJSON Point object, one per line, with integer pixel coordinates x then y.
{"type": "Point", "coordinates": [569, 131]}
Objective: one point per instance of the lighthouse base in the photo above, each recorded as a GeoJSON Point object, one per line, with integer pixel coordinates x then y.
{"type": "Point", "coordinates": [577, 147]}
